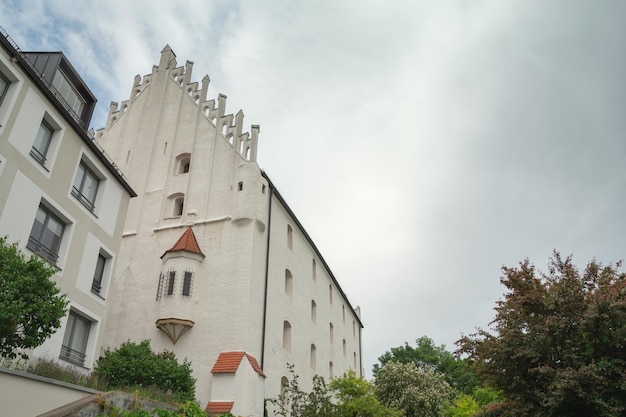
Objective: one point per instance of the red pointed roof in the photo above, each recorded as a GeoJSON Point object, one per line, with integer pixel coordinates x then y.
{"type": "Point", "coordinates": [219, 406]}
{"type": "Point", "coordinates": [228, 362]}
{"type": "Point", "coordinates": [187, 242]}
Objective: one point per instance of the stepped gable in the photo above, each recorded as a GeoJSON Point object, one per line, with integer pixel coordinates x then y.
{"type": "Point", "coordinates": [186, 242]}
{"type": "Point", "coordinates": [228, 362]}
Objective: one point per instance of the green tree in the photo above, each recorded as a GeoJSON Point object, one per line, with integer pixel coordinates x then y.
{"type": "Point", "coordinates": [135, 364]}
{"type": "Point", "coordinates": [417, 392]}
{"type": "Point", "coordinates": [293, 401]}
{"type": "Point", "coordinates": [457, 372]}
{"type": "Point", "coordinates": [558, 342]}
{"type": "Point", "coordinates": [31, 306]}
{"type": "Point", "coordinates": [356, 398]}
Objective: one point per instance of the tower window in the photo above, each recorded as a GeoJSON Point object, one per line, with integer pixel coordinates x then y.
{"type": "Point", "coordinates": [187, 279]}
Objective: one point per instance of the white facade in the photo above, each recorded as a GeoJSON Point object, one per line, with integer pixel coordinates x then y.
{"type": "Point", "coordinates": [60, 196]}
{"type": "Point", "coordinates": [245, 275]}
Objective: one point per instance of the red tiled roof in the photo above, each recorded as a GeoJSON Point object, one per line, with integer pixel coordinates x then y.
{"type": "Point", "coordinates": [187, 242]}
{"type": "Point", "coordinates": [228, 362]}
{"type": "Point", "coordinates": [219, 406]}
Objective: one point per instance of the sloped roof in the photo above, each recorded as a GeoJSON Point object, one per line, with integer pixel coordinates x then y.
{"type": "Point", "coordinates": [186, 242]}
{"type": "Point", "coordinates": [228, 362]}
{"type": "Point", "coordinates": [219, 406]}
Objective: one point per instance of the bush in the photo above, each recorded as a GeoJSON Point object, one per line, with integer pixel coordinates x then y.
{"type": "Point", "coordinates": [135, 364]}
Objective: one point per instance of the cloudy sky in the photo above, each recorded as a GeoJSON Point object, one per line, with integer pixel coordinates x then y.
{"type": "Point", "coordinates": [422, 144]}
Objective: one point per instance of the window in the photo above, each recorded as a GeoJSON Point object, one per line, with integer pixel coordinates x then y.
{"type": "Point", "coordinates": [42, 142]}
{"type": "Point", "coordinates": [344, 348]}
{"type": "Point", "coordinates": [343, 312]}
{"type": "Point", "coordinates": [85, 186]}
{"type": "Point", "coordinates": [313, 359]}
{"type": "Point", "coordinates": [331, 331]}
{"type": "Point", "coordinates": [46, 234]}
{"type": "Point", "coordinates": [183, 161]}
{"type": "Point", "coordinates": [288, 282]}
{"type": "Point", "coordinates": [287, 336]}
{"type": "Point", "coordinates": [179, 205]}
{"type": "Point", "coordinates": [4, 87]}
{"type": "Point", "coordinates": [187, 283]}
{"type": "Point", "coordinates": [313, 311]}
{"type": "Point", "coordinates": [75, 339]}
{"type": "Point", "coordinates": [330, 293]}
{"type": "Point", "coordinates": [170, 283]}
{"type": "Point", "coordinates": [330, 370]}
{"type": "Point", "coordinates": [68, 93]}
{"type": "Point", "coordinates": [289, 237]}
{"type": "Point", "coordinates": [96, 284]}
{"type": "Point", "coordinates": [314, 270]}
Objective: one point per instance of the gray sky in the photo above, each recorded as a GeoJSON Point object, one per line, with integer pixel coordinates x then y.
{"type": "Point", "coordinates": [422, 144]}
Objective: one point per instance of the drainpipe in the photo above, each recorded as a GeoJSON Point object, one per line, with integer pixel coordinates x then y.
{"type": "Point", "coordinates": [267, 267]}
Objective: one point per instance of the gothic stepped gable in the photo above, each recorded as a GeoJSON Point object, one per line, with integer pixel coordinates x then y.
{"type": "Point", "coordinates": [230, 126]}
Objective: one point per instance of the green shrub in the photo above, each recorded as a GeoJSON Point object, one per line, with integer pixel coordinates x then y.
{"type": "Point", "coordinates": [135, 364]}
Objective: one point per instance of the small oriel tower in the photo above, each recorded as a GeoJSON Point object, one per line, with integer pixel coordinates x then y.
{"type": "Point", "coordinates": [191, 270]}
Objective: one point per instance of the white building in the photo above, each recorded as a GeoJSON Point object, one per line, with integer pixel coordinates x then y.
{"type": "Point", "coordinates": [214, 265]}
{"type": "Point", "coordinates": [60, 196]}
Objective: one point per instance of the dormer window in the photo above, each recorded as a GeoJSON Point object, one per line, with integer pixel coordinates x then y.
{"type": "Point", "coordinates": [68, 93]}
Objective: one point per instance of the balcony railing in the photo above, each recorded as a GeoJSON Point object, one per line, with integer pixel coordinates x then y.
{"type": "Point", "coordinates": [73, 356]}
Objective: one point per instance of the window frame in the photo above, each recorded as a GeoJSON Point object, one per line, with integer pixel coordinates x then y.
{"type": "Point", "coordinates": [98, 275]}
{"type": "Point", "coordinates": [4, 92]}
{"type": "Point", "coordinates": [37, 244]}
{"type": "Point", "coordinates": [187, 283]}
{"type": "Point", "coordinates": [36, 152]}
{"type": "Point", "coordinates": [78, 193]}
{"type": "Point", "coordinates": [69, 353]}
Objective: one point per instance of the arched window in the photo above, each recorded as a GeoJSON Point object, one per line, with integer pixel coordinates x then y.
{"type": "Point", "coordinates": [313, 357]}
{"type": "Point", "coordinates": [354, 359]}
{"type": "Point", "coordinates": [183, 162]}
{"type": "Point", "coordinates": [344, 348]}
{"type": "Point", "coordinates": [343, 312]}
{"type": "Point", "coordinates": [314, 270]}
{"type": "Point", "coordinates": [288, 282]}
{"type": "Point", "coordinates": [284, 384]}
{"type": "Point", "coordinates": [313, 311]}
{"type": "Point", "coordinates": [287, 336]}
{"type": "Point", "coordinates": [330, 370]}
{"type": "Point", "coordinates": [289, 237]}
{"type": "Point", "coordinates": [179, 205]}
{"type": "Point", "coordinates": [330, 293]}
{"type": "Point", "coordinates": [331, 332]}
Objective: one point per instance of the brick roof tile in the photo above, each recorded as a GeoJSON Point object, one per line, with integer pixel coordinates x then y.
{"type": "Point", "coordinates": [219, 406]}
{"type": "Point", "coordinates": [187, 242]}
{"type": "Point", "coordinates": [228, 362]}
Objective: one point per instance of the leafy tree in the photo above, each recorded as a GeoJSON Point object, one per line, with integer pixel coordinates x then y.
{"type": "Point", "coordinates": [31, 306]}
{"type": "Point", "coordinates": [417, 392]}
{"type": "Point", "coordinates": [457, 372]}
{"type": "Point", "coordinates": [356, 398]}
{"type": "Point", "coordinates": [558, 346]}
{"type": "Point", "coordinates": [137, 365]}
{"type": "Point", "coordinates": [295, 402]}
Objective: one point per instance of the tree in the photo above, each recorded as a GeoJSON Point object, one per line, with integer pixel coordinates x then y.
{"type": "Point", "coordinates": [558, 346]}
{"type": "Point", "coordinates": [417, 392]}
{"type": "Point", "coordinates": [294, 402]}
{"type": "Point", "coordinates": [457, 372]}
{"type": "Point", "coordinates": [31, 306]}
{"type": "Point", "coordinates": [135, 364]}
{"type": "Point", "coordinates": [356, 398]}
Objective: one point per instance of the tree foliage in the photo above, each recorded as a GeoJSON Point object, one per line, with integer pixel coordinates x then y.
{"type": "Point", "coordinates": [417, 392]}
{"type": "Point", "coordinates": [457, 372]}
{"type": "Point", "coordinates": [31, 306]}
{"type": "Point", "coordinates": [558, 342]}
{"type": "Point", "coordinates": [346, 396]}
{"type": "Point", "coordinates": [135, 364]}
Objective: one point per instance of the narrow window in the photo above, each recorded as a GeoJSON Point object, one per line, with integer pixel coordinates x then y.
{"type": "Point", "coordinates": [284, 384]}
{"type": "Point", "coordinates": [330, 370]}
{"type": "Point", "coordinates": [287, 336]}
{"type": "Point", "coordinates": [240, 186]}
{"type": "Point", "coordinates": [170, 283]}
{"type": "Point", "coordinates": [289, 237]}
{"type": "Point", "coordinates": [330, 293]}
{"type": "Point", "coordinates": [288, 282]}
{"type": "Point", "coordinates": [179, 205]}
{"type": "Point", "coordinates": [4, 87]}
{"type": "Point", "coordinates": [314, 270]}
{"type": "Point", "coordinates": [313, 311]}
{"type": "Point", "coordinates": [343, 312]}
{"type": "Point", "coordinates": [85, 186]}
{"type": "Point", "coordinates": [331, 332]}
{"type": "Point", "coordinates": [344, 348]}
{"type": "Point", "coordinates": [313, 357]}
{"type": "Point", "coordinates": [187, 283]}
{"type": "Point", "coordinates": [160, 286]}
{"type": "Point", "coordinates": [46, 234]}
{"type": "Point", "coordinates": [41, 145]}
{"type": "Point", "coordinates": [354, 359]}
{"type": "Point", "coordinates": [75, 339]}
{"type": "Point", "coordinates": [353, 328]}
{"type": "Point", "coordinates": [96, 284]}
